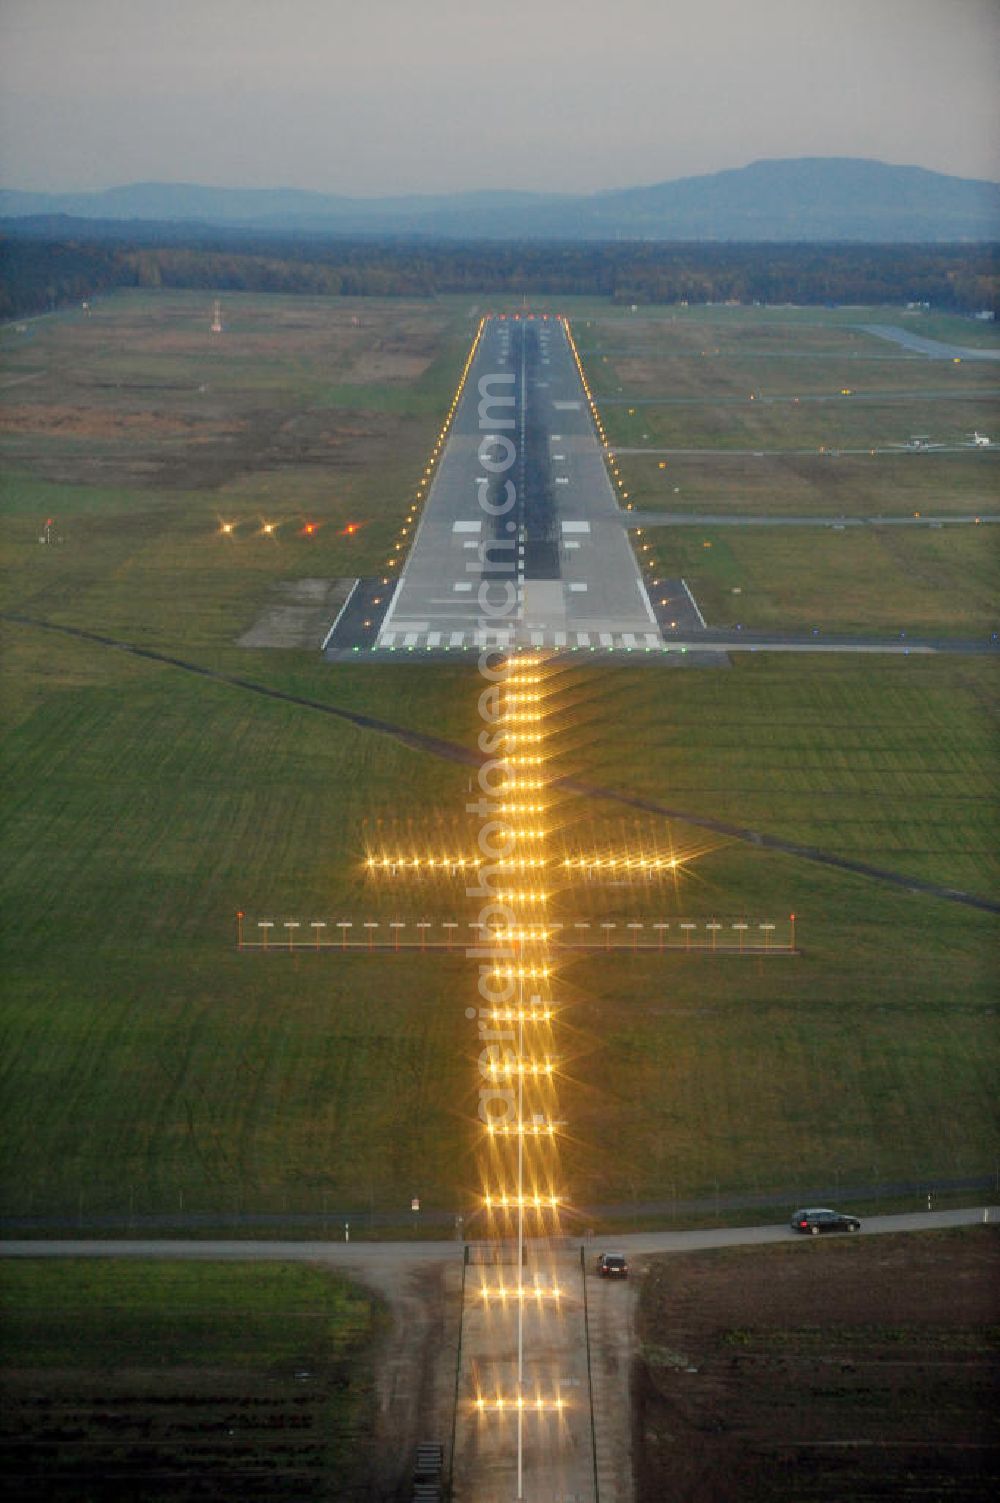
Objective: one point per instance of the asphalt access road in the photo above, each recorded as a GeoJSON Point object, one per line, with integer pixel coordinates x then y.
{"type": "Point", "coordinates": [892, 449]}
{"type": "Point", "coordinates": [880, 398]}
{"type": "Point", "coordinates": [839, 357]}
{"type": "Point", "coordinates": [361, 1256]}
{"type": "Point", "coordinates": [735, 639]}
{"type": "Point", "coordinates": [935, 349]}
{"type": "Point", "coordinates": [728, 519]}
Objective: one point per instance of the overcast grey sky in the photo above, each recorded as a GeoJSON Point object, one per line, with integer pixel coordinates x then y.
{"type": "Point", "coordinates": [388, 96]}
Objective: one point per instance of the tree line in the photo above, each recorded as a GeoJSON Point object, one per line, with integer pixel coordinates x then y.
{"type": "Point", "coordinates": [40, 271]}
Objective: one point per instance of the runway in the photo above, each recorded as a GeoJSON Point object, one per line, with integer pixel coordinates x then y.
{"type": "Point", "coordinates": [520, 542]}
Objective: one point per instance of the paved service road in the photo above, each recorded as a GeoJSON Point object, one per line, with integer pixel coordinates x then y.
{"type": "Point", "coordinates": [375, 1257]}
{"type": "Point", "coordinates": [735, 519]}
{"type": "Point", "coordinates": [522, 497]}
{"type": "Point", "coordinates": [423, 1284]}
{"type": "Point", "coordinates": [896, 450]}
{"type": "Point", "coordinates": [934, 348]}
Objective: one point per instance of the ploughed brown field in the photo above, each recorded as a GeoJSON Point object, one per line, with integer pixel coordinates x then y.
{"type": "Point", "coordinates": [851, 1368]}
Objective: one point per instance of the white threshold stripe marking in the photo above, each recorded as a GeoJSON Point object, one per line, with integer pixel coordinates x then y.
{"type": "Point", "coordinates": [694, 604]}
{"type": "Point", "coordinates": [644, 597]}
{"type": "Point", "coordinates": [337, 617]}
{"type": "Point", "coordinates": [393, 602]}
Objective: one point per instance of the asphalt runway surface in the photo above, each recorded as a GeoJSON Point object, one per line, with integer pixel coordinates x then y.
{"type": "Point", "coordinates": [521, 506]}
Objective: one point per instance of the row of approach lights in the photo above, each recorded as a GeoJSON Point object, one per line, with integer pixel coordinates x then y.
{"type": "Point", "coordinates": [518, 1403]}
{"type": "Point", "coordinates": [272, 529]}
{"type": "Point", "coordinates": [403, 537]}
{"type": "Point", "coordinates": [520, 689]}
{"type": "Point", "coordinates": [401, 864]}
{"type": "Point", "coordinates": [536, 1291]}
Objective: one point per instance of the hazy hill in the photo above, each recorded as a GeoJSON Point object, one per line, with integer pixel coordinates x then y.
{"type": "Point", "coordinates": [797, 199]}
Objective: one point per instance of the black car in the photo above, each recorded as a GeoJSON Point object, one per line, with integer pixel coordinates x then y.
{"type": "Point", "coordinates": [612, 1265]}
{"type": "Point", "coordinates": [814, 1222]}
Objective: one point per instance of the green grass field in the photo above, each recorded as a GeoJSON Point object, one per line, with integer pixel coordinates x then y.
{"type": "Point", "coordinates": [130, 1378]}
{"type": "Point", "coordinates": [881, 579]}
{"type": "Point", "coordinates": [148, 1067]}
{"type": "Point", "coordinates": [842, 485]}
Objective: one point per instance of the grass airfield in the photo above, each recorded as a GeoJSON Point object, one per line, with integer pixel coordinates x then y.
{"type": "Point", "coordinates": [151, 1069]}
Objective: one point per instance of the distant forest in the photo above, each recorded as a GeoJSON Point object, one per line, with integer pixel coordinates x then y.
{"type": "Point", "coordinates": [40, 271]}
